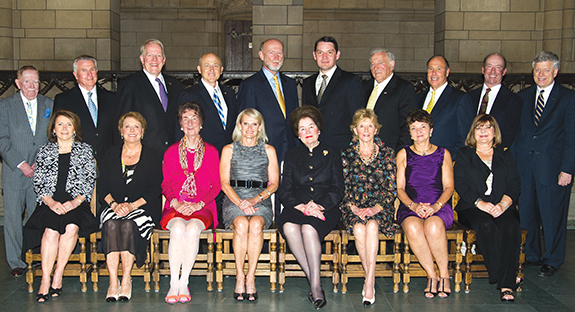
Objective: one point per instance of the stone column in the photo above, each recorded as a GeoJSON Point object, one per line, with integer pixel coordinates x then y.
{"type": "Point", "coordinates": [283, 20]}
{"type": "Point", "coordinates": [50, 34]}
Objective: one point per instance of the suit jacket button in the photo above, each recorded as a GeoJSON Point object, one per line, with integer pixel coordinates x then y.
{"type": "Point", "coordinates": [311, 178]}
{"type": "Point", "coordinates": [311, 188]}
{"type": "Point", "coordinates": [310, 167]}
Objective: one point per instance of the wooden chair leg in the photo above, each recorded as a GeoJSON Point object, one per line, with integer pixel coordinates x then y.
{"type": "Point", "coordinates": [396, 263]}
{"type": "Point", "coordinates": [30, 271]}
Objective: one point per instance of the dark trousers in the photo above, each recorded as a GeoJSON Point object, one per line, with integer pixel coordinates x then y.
{"type": "Point", "coordinates": [498, 240]}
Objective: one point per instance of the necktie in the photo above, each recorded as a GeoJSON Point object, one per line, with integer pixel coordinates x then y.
{"type": "Point", "coordinates": [281, 100]}
{"type": "Point", "coordinates": [30, 116]}
{"type": "Point", "coordinates": [539, 107]}
{"type": "Point", "coordinates": [163, 95]}
{"type": "Point", "coordinates": [93, 109]}
{"type": "Point", "coordinates": [322, 87]}
{"type": "Point", "coordinates": [372, 98]}
{"type": "Point", "coordinates": [484, 102]}
{"type": "Point", "coordinates": [431, 102]}
{"type": "Point", "coordinates": [216, 100]}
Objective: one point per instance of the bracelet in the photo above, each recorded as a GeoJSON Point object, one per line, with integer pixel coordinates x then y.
{"type": "Point", "coordinates": [202, 204]}
{"type": "Point", "coordinates": [172, 203]}
{"type": "Point", "coordinates": [409, 206]}
{"type": "Point", "coordinates": [440, 204]}
{"type": "Point", "coordinates": [269, 193]}
{"type": "Point", "coordinates": [261, 197]}
{"type": "Point", "coordinates": [477, 202]}
{"type": "Point", "coordinates": [111, 203]}
{"type": "Point", "coordinates": [504, 204]}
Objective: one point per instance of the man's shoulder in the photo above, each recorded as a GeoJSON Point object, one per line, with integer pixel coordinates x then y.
{"type": "Point", "coordinates": [11, 99]}
{"type": "Point", "coordinates": [173, 80]}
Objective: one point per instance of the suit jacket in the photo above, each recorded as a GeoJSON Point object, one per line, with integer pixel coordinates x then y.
{"type": "Point", "coordinates": [341, 98]}
{"type": "Point", "coordinates": [392, 107]}
{"type": "Point", "coordinates": [256, 92]}
{"type": "Point", "coordinates": [136, 93]}
{"type": "Point", "coordinates": [102, 137]}
{"type": "Point", "coordinates": [452, 117]}
{"type": "Point", "coordinates": [17, 143]}
{"type": "Point", "coordinates": [470, 174]}
{"type": "Point", "coordinates": [145, 183]}
{"type": "Point", "coordinates": [212, 131]}
{"type": "Point", "coordinates": [548, 149]}
{"type": "Point", "coordinates": [506, 110]}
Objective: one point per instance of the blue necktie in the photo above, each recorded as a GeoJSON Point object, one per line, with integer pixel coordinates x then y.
{"type": "Point", "coordinates": [30, 116]}
{"type": "Point", "coordinates": [93, 109]}
{"type": "Point", "coordinates": [216, 100]}
{"type": "Point", "coordinates": [163, 95]}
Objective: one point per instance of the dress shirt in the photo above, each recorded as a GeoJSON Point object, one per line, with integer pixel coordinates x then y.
{"type": "Point", "coordinates": [155, 83]}
{"type": "Point", "coordinates": [492, 95]}
{"type": "Point", "coordinates": [34, 104]}
{"type": "Point", "coordinates": [437, 95]}
{"type": "Point", "coordinates": [381, 85]}
{"type": "Point", "coordinates": [545, 94]}
{"type": "Point", "coordinates": [218, 91]}
{"type": "Point", "coordinates": [85, 95]}
{"type": "Point", "coordinates": [320, 79]}
{"type": "Point", "coordinates": [271, 81]}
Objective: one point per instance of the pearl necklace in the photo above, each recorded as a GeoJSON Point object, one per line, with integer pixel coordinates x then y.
{"type": "Point", "coordinates": [485, 152]}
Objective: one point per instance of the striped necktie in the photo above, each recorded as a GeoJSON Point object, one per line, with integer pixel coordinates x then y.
{"type": "Point", "coordinates": [322, 88]}
{"type": "Point", "coordinates": [539, 108]}
{"type": "Point", "coordinates": [484, 102]}
{"type": "Point", "coordinates": [218, 104]}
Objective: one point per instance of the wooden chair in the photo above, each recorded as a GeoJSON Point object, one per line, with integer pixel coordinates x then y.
{"type": "Point", "coordinates": [204, 265]}
{"type": "Point", "coordinates": [100, 268]}
{"type": "Point", "coordinates": [474, 262]}
{"type": "Point", "coordinates": [288, 265]}
{"type": "Point", "coordinates": [411, 268]}
{"type": "Point", "coordinates": [76, 266]}
{"type": "Point", "coordinates": [225, 260]}
{"type": "Point", "coordinates": [386, 264]}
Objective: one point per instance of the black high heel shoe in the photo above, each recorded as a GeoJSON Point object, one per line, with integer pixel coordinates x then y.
{"type": "Point", "coordinates": [430, 283]}
{"type": "Point", "coordinates": [442, 291]}
{"type": "Point", "coordinates": [43, 297]}
{"type": "Point", "coordinates": [321, 302]}
{"type": "Point", "coordinates": [55, 292]}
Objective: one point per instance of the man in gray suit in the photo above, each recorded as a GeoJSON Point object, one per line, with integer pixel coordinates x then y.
{"type": "Point", "coordinates": [24, 118]}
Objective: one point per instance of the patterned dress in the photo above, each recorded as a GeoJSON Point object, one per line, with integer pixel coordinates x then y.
{"type": "Point", "coordinates": [369, 184]}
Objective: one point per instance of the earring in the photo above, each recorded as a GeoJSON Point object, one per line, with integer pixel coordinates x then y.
{"type": "Point", "coordinates": [201, 127]}
{"type": "Point", "coordinates": [54, 134]}
{"type": "Point", "coordinates": [122, 136]}
{"type": "Point", "coordinates": [142, 137]}
{"type": "Point", "coordinates": [430, 135]}
{"type": "Point", "coordinates": [74, 135]}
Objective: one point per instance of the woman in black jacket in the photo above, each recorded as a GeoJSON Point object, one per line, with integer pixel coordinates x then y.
{"type": "Point", "coordinates": [487, 180]}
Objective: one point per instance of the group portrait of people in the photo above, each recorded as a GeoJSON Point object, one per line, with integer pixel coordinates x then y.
{"type": "Point", "coordinates": [371, 155]}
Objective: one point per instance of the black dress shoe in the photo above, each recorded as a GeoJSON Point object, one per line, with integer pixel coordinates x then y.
{"type": "Point", "coordinates": [531, 263]}
{"type": "Point", "coordinates": [17, 272]}
{"type": "Point", "coordinates": [547, 270]}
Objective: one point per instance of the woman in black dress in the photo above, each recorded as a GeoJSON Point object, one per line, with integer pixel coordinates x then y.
{"type": "Point", "coordinates": [63, 181]}
{"type": "Point", "coordinates": [129, 190]}
{"type": "Point", "coordinates": [311, 190]}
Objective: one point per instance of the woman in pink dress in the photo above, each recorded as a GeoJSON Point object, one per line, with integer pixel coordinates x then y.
{"type": "Point", "coordinates": [191, 184]}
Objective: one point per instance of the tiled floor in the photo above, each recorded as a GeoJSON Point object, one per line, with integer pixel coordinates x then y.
{"type": "Point", "coordinates": [540, 294]}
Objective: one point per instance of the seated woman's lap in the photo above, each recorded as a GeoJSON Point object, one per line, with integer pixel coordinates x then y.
{"type": "Point", "coordinates": [433, 225]}
{"type": "Point", "coordinates": [245, 223]}
{"type": "Point", "coordinates": [204, 215]}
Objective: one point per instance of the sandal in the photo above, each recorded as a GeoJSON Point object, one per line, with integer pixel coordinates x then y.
{"type": "Point", "coordinates": [507, 293]}
{"type": "Point", "coordinates": [55, 292]}
{"type": "Point", "coordinates": [239, 296]}
{"type": "Point", "coordinates": [430, 283]}
{"type": "Point", "coordinates": [43, 297]}
{"type": "Point", "coordinates": [442, 291]}
{"type": "Point", "coordinates": [252, 297]}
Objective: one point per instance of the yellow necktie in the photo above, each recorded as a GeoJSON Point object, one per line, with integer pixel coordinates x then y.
{"type": "Point", "coordinates": [431, 103]}
{"type": "Point", "coordinates": [372, 98]}
{"type": "Point", "coordinates": [281, 100]}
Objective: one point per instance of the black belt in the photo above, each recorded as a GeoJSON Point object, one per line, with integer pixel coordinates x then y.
{"type": "Point", "coordinates": [248, 183]}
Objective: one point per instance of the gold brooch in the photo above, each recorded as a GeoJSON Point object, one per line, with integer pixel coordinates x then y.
{"type": "Point", "coordinates": [325, 152]}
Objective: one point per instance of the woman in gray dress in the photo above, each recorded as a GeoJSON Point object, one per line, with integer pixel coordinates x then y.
{"type": "Point", "coordinates": [249, 175]}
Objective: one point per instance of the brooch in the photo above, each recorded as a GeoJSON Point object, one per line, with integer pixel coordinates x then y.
{"type": "Point", "coordinates": [325, 152]}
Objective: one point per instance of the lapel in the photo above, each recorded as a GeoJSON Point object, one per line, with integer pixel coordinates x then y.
{"type": "Point", "coordinates": [21, 114]}
{"type": "Point", "coordinates": [210, 107]}
{"type": "Point", "coordinates": [149, 92]}
{"type": "Point", "coordinates": [40, 111]}
{"type": "Point", "coordinates": [387, 92]}
{"type": "Point", "coordinates": [269, 93]}
{"type": "Point", "coordinates": [475, 98]}
{"type": "Point", "coordinates": [229, 95]}
{"type": "Point", "coordinates": [332, 85]}
{"type": "Point", "coordinates": [500, 101]}
{"type": "Point", "coordinates": [442, 102]}
{"type": "Point", "coordinates": [313, 92]}
{"type": "Point", "coordinates": [550, 105]}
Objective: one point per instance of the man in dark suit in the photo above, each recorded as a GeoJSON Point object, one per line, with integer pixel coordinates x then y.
{"type": "Point", "coordinates": [496, 100]}
{"type": "Point", "coordinates": [274, 95]}
{"type": "Point", "coordinates": [391, 98]}
{"type": "Point", "coordinates": [335, 92]}
{"type": "Point", "coordinates": [451, 109]}
{"type": "Point", "coordinates": [218, 102]}
{"type": "Point", "coordinates": [24, 118]}
{"type": "Point", "coordinates": [545, 154]}
{"type": "Point", "coordinates": [153, 95]}
{"type": "Point", "coordinates": [94, 105]}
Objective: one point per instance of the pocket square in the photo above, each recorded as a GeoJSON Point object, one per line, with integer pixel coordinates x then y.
{"type": "Point", "coordinates": [47, 113]}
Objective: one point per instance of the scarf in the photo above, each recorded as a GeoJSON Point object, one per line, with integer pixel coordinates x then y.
{"type": "Point", "coordinates": [189, 186]}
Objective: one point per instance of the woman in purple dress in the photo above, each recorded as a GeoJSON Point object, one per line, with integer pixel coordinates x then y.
{"type": "Point", "coordinates": [424, 187]}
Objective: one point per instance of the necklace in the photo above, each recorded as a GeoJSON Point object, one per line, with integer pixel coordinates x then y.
{"type": "Point", "coordinates": [372, 155]}
{"type": "Point", "coordinates": [485, 152]}
{"type": "Point", "coordinates": [423, 153]}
